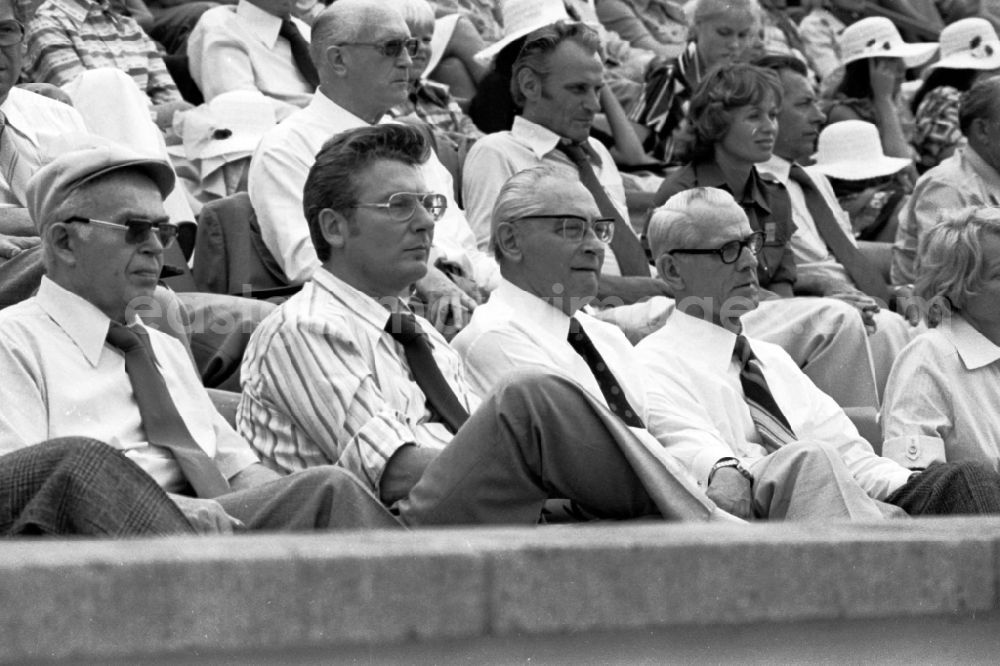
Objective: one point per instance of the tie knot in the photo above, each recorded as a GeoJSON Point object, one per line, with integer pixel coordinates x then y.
{"type": "Point", "coordinates": [124, 338]}
{"type": "Point", "coordinates": [402, 326]}
{"type": "Point", "coordinates": [575, 330]}
{"type": "Point", "coordinates": [742, 352]}
{"type": "Point", "coordinates": [799, 175]}
{"type": "Point", "coordinates": [288, 28]}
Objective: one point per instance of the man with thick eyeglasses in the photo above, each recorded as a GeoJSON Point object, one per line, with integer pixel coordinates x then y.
{"type": "Point", "coordinates": [77, 361]}
{"type": "Point", "coordinates": [361, 49]}
{"type": "Point", "coordinates": [345, 373]}
{"type": "Point", "coordinates": [253, 45]}
{"type": "Point", "coordinates": [765, 442]}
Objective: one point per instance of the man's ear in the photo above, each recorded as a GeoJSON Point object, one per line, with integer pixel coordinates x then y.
{"type": "Point", "coordinates": [62, 242]}
{"type": "Point", "coordinates": [529, 83]}
{"type": "Point", "coordinates": [668, 271]}
{"type": "Point", "coordinates": [333, 61]}
{"type": "Point", "coordinates": [334, 227]}
{"type": "Point", "coordinates": [506, 240]}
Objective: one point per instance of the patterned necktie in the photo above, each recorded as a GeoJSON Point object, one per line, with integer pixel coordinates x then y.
{"type": "Point", "coordinates": [162, 422]}
{"type": "Point", "coordinates": [300, 51]}
{"type": "Point", "coordinates": [612, 390]}
{"type": "Point", "coordinates": [13, 169]}
{"type": "Point", "coordinates": [865, 276]}
{"type": "Point", "coordinates": [626, 246]}
{"type": "Point", "coordinates": [441, 400]}
{"type": "Point", "coordinates": [771, 424]}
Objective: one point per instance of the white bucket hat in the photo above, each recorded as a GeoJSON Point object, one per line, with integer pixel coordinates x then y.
{"type": "Point", "coordinates": [521, 17]}
{"type": "Point", "coordinates": [971, 43]}
{"type": "Point", "coordinates": [877, 37]}
{"type": "Point", "coordinates": [852, 150]}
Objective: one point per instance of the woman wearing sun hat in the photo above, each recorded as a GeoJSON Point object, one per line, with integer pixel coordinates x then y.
{"type": "Point", "coordinates": [868, 184]}
{"type": "Point", "coordinates": [970, 49]}
{"type": "Point", "coordinates": [875, 59]}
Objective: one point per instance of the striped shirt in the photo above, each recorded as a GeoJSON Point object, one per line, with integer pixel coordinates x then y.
{"type": "Point", "coordinates": [323, 383]}
{"type": "Point", "coordinates": [67, 37]}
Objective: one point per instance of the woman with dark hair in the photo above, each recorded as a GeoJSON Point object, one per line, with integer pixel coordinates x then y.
{"type": "Point", "coordinates": [970, 50]}
{"type": "Point", "coordinates": [733, 116]}
{"type": "Point", "coordinates": [940, 403]}
{"type": "Point", "coordinates": [875, 60]}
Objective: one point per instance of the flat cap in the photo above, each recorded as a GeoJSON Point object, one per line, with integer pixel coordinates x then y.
{"type": "Point", "coordinates": [49, 187]}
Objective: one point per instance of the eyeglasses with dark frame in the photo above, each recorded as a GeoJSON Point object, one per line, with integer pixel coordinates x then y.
{"type": "Point", "coordinates": [136, 231]}
{"type": "Point", "coordinates": [402, 205]}
{"type": "Point", "coordinates": [730, 252]}
{"type": "Point", "coordinates": [11, 32]}
{"type": "Point", "coordinates": [390, 48]}
{"type": "Point", "coordinates": [574, 227]}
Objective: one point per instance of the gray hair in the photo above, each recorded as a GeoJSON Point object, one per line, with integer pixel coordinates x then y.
{"type": "Point", "coordinates": [681, 222]}
{"type": "Point", "coordinates": [950, 260]}
{"type": "Point", "coordinates": [346, 21]}
{"type": "Point", "coordinates": [540, 44]}
{"type": "Point", "coordinates": [519, 197]}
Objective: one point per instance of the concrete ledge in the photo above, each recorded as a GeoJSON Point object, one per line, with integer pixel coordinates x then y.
{"type": "Point", "coordinates": [377, 591]}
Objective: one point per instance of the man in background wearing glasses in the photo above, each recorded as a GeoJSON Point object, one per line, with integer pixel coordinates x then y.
{"type": "Point", "coordinates": [344, 373]}
{"type": "Point", "coordinates": [767, 443]}
{"type": "Point", "coordinates": [76, 360]}
{"type": "Point", "coordinates": [362, 51]}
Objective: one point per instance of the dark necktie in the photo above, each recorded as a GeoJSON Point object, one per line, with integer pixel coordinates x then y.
{"type": "Point", "coordinates": [626, 246]}
{"type": "Point", "coordinates": [441, 400]}
{"type": "Point", "coordinates": [162, 422]}
{"type": "Point", "coordinates": [300, 51]}
{"type": "Point", "coordinates": [865, 276]}
{"type": "Point", "coordinates": [13, 169]}
{"type": "Point", "coordinates": [771, 424]}
{"type": "Point", "coordinates": [612, 390]}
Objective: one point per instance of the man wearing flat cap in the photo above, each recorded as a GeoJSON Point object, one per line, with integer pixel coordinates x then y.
{"type": "Point", "coordinates": [76, 360]}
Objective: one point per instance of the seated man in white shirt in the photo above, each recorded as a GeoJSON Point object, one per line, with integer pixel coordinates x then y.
{"type": "Point", "coordinates": [344, 373]}
{"type": "Point", "coordinates": [76, 361]}
{"type": "Point", "coordinates": [362, 51]}
{"type": "Point", "coordinates": [252, 46]}
{"type": "Point", "coordinates": [759, 404]}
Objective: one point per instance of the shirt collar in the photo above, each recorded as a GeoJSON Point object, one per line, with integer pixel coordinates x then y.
{"type": "Point", "coordinates": [531, 309]}
{"type": "Point", "coordinates": [78, 10]}
{"type": "Point", "coordinates": [264, 25]}
{"type": "Point", "coordinates": [541, 140]}
{"type": "Point", "coordinates": [696, 338]}
{"type": "Point", "coordinates": [364, 306]}
{"type": "Point", "coordinates": [77, 317]}
{"type": "Point", "coordinates": [708, 174]}
{"type": "Point", "coordinates": [778, 167]}
{"type": "Point", "coordinates": [332, 115]}
{"type": "Point", "coordinates": [974, 348]}
{"type": "Point", "coordinates": [979, 165]}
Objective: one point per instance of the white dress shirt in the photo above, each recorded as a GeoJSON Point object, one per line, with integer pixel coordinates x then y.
{"type": "Point", "coordinates": [812, 256]}
{"type": "Point", "coordinates": [42, 124]}
{"type": "Point", "coordinates": [238, 48]}
{"type": "Point", "coordinates": [323, 383]}
{"type": "Point", "coordinates": [946, 384]}
{"type": "Point", "coordinates": [61, 379]}
{"type": "Point", "coordinates": [278, 172]}
{"type": "Point", "coordinates": [498, 156]}
{"type": "Point", "coordinates": [690, 354]}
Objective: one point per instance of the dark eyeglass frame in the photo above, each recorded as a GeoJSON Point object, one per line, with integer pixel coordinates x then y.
{"type": "Point", "coordinates": [390, 48]}
{"type": "Point", "coordinates": [603, 227]}
{"type": "Point", "coordinates": [733, 249]}
{"type": "Point", "coordinates": [435, 204]}
{"type": "Point", "coordinates": [136, 230]}
{"type": "Point", "coordinates": [8, 40]}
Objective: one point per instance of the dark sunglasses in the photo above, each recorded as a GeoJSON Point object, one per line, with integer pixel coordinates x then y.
{"type": "Point", "coordinates": [391, 48]}
{"type": "Point", "coordinates": [136, 231]}
{"type": "Point", "coordinates": [731, 251]}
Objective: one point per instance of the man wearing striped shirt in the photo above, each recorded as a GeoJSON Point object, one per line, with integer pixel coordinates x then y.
{"type": "Point", "coordinates": [334, 375]}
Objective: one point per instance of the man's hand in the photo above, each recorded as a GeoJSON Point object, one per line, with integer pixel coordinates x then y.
{"type": "Point", "coordinates": [48, 90]}
{"type": "Point", "coordinates": [866, 305]}
{"type": "Point", "coordinates": [448, 306]}
{"type": "Point", "coordinates": [165, 113]}
{"type": "Point", "coordinates": [731, 491]}
{"type": "Point", "coordinates": [906, 304]}
{"type": "Point", "coordinates": [403, 470]}
{"type": "Point", "coordinates": [11, 246]}
{"type": "Point", "coordinates": [206, 515]}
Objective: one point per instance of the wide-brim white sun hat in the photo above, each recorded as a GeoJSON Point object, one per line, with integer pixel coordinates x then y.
{"type": "Point", "coordinates": [521, 17]}
{"type": "Point", "coordinates": [971, 43]}
{"type": "Point", "coordinates": [852, 150]}
{"type": "Point", "coordinates": [877, 37]}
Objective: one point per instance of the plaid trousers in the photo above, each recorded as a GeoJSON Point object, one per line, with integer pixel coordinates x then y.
{"type": "Point", "coordinates": [76, 485]}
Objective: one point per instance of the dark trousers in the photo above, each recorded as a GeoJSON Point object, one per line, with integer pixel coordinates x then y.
{"type": "Point", "coordinates": [75, 485]}
{"type": "Point", "coordinates": [950, 489]}
{"type": "Point", "coordinates": [540, 436]}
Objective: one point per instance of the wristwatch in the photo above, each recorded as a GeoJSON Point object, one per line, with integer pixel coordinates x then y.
{"type": "Point", "coordinates": [730, 462]}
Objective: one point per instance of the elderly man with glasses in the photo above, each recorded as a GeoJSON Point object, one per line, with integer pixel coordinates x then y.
{"type": "Point", "coordinates": [344, 372]}
{"type": "Point", "coordinates": [362, 50]}
{"type": "Point", "coordinates": [768, 444]}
